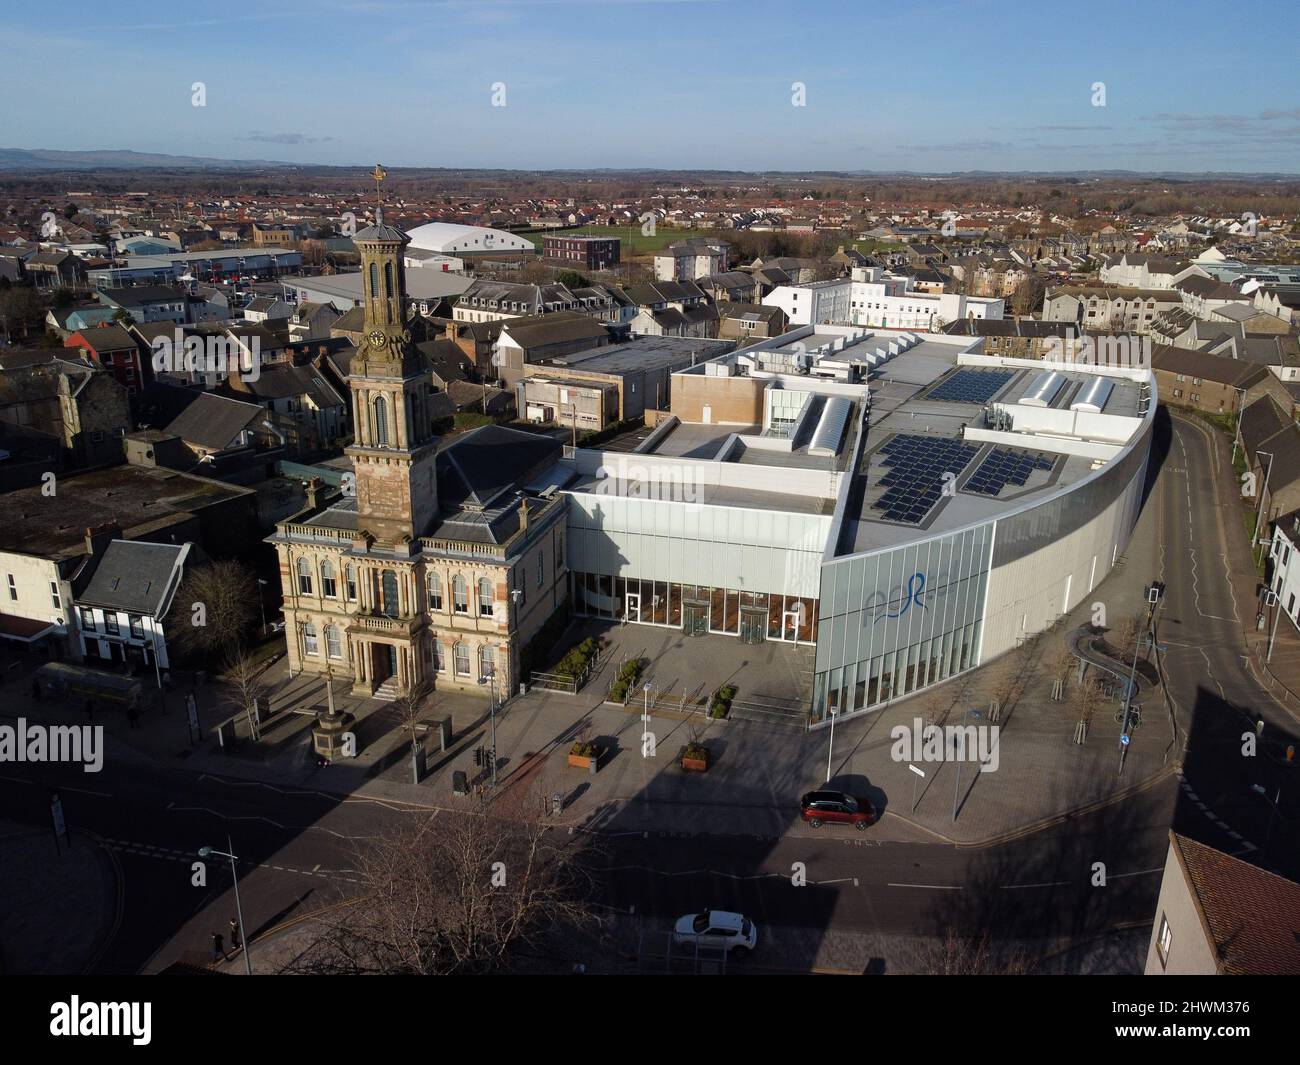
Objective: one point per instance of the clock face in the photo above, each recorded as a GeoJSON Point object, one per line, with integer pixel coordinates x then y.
{"type": "Point", "coordinates": [377, 339]}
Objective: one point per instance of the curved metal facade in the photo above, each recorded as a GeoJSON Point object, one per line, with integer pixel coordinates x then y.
{"type": "Point", "coordinates": [900, 619]}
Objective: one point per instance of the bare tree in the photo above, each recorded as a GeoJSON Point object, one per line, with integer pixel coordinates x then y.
{"type": "Point", "coordinates": [409, 704]}
{"type": "Point", "coordinates": [244, 687]}
{"type": "Point", "coordinates": [1128, 632]}
{"type": "Point", "coordinates": [1028, 296]}
{"type": "Point", "coordinates": [1057, 659]}
{"type": "Point", "coordinates": [978, 955]}
{"type": "Point", "coordinates": [457, 893]}
{"type": "Point", "coordinates": [214, 609]}
{"type": "Point", "coordinates": [1089, 697]}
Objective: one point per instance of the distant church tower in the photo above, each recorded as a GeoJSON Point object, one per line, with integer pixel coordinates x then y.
{"type": "Point", "coordinates": [394, 448]}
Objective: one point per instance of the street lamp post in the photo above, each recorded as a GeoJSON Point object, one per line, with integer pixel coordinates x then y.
{"type": "Point", "coordinates": [1272, 599]}
{"type": "Point", "coordinates": [1154, 592]}
{"type": "Point", "coordinates": [830, 750]}
{"type": "Point", "coordinates": [205, 852]}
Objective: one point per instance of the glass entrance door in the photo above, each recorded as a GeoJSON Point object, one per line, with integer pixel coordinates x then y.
{"type": "Point", "coordinates": [695, 618]}
{"type": "Point", "coordinates": [632, 606]}
{"type": "Point", "coordinates": [753, 625]}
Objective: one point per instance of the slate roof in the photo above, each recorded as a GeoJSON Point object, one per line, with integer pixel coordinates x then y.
{"type": "Point", "coordinates": [482, 465]}
{"type": "Point", "coordinates": [557, 328]}
{"type": "Point", "coordinates": [213, 421]}
{"type": "Point", "coordinates": [135, 577]}
{"type": "Point", "coordinates": [286, 380]}
{"type": "Point", "coordinates": [142, 294]}
{"type": "Point", "coordinates": [1192, 363]}
{"type": "Point", "coordinates": [105, 338]}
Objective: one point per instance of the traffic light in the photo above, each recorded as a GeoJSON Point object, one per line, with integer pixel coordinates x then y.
{"type": "Point", "coordinates": [478, 757]}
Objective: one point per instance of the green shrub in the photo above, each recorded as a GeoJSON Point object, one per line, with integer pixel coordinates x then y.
{"type": "Point", "coordinates": [584, 750]}
{"type": "Point", "coordinates": [576, 659]}
{"type": "Point", "coordinates": [625, 681]}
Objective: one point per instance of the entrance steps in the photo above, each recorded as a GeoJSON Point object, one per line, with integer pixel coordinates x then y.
{"type": "Point", "coordinates": [388, 691]}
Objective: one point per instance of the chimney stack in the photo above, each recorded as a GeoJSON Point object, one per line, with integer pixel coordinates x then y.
{"type": "Point", "coordinates": [523, 513]}
{"type": "Point", "coordinates": [313, 488]}
{"type": "Point", "coordinates": [98, 537]}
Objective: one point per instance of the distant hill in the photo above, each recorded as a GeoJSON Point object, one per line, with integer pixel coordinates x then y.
{"type": "Point", "coordinates": [49, 159]}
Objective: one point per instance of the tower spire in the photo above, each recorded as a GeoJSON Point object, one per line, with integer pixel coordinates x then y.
{"type": "Point", "coordinates": [379, 173]}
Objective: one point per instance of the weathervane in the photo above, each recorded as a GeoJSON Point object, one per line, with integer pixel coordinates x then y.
{"type": "Point", "coordinates": [379, 173]}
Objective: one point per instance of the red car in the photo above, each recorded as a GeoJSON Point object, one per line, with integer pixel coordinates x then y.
{"type": "Point", "coordinates": [837, 808]}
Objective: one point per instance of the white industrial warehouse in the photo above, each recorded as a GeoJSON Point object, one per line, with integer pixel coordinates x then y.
{"type": "Point", "coordinates": [448, 238]}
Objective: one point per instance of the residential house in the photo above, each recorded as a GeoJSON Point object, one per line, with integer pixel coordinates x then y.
{"type": "Point", "coordinates": [45, 539]}
{"type": "Point", "coordinates": [147, 304]}
{"type": "Point", "coordinates": [1217, 915]}
{"type": "Point", "coordinates": [313, 321]}
{"type": "Point", "coordinates": [299, 392]}
{"type": "Point", "coordinates": [122, 608]}
{"type": "Point", "coordinates": [70, 400]}
{"type": "Point", "coordinates": [742, 322]}
{"type": "Point", "coordinates": [116, 350]}
{"type": "Point", "coordinates": [690, 260]}
{"type": "Point", "coordinates": [1212, 383]}
{"type": "Point", "coordinates": [1270, 440]}
{"type": "Point", "coordinates": [673, 308]}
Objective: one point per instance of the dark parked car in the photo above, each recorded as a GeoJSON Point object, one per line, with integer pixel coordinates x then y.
{"type": "Point", "coordinates": [836, 808]}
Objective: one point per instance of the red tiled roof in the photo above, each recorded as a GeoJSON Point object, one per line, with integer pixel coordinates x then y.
{"type": "Point", "coordinates": [1252, 917]}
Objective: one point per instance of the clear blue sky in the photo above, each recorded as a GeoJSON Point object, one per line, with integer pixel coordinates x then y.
{"type": "Point", "coordinates": [973, 84]}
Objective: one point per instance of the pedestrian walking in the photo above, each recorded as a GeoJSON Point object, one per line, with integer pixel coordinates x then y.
{"type": "Point", "coordinates": [218, 949]}
{"type": "Point", "coordinates": [234, 934]}
{"type": "Point", "coordinates": [133, 716]}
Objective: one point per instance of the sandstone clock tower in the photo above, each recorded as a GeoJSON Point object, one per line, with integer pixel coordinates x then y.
{"type": "Point", "coordinates": [394, 449]}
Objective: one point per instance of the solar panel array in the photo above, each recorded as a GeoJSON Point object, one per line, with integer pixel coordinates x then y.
{"type": "Point", "coordinates": [1003, 466]}
{"type": "Point", "coordinates": [971, 386]}
{"type": "Point", "coordinates": [917, 465]}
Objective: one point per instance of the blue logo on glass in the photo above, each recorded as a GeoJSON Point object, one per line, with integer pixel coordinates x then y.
{"type": "Point", "coordinates": [915, 588]}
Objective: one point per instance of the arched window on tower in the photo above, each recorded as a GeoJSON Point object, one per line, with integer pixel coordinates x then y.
{"type": "Point", "coordinates": [388, 281]}
{"type": "Point", "coordinates": [381, 421]}
{"type": "Point", "coordinates": [374, 281]}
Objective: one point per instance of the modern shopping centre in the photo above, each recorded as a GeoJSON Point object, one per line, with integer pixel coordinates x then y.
{"type": "Point", "coordinates": [907, 505]}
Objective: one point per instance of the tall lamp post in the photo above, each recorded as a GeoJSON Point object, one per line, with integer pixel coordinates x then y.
{"type": "Point", "coordinates": [205, 852]}
{"type": "Point", "coordinates": [1272, 599]}
{"type": "Point", "coordinates": [830, 750]}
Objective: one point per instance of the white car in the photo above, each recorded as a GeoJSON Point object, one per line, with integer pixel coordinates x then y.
{"type": "Point", "coordinates": [717, 929]}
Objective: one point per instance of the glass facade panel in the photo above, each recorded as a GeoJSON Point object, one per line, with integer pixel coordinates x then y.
{"type": "Point", "coordinates": [895, 621]}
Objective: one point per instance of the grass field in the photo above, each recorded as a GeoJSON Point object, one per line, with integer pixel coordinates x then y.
{"type": "Point", "coordinates": [633, 241]}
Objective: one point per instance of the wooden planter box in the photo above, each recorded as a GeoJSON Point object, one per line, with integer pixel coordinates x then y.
{"type": "Point", "coordinates": [695, 765]}
{"type": "Point", "coordinates": [581, 761]}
